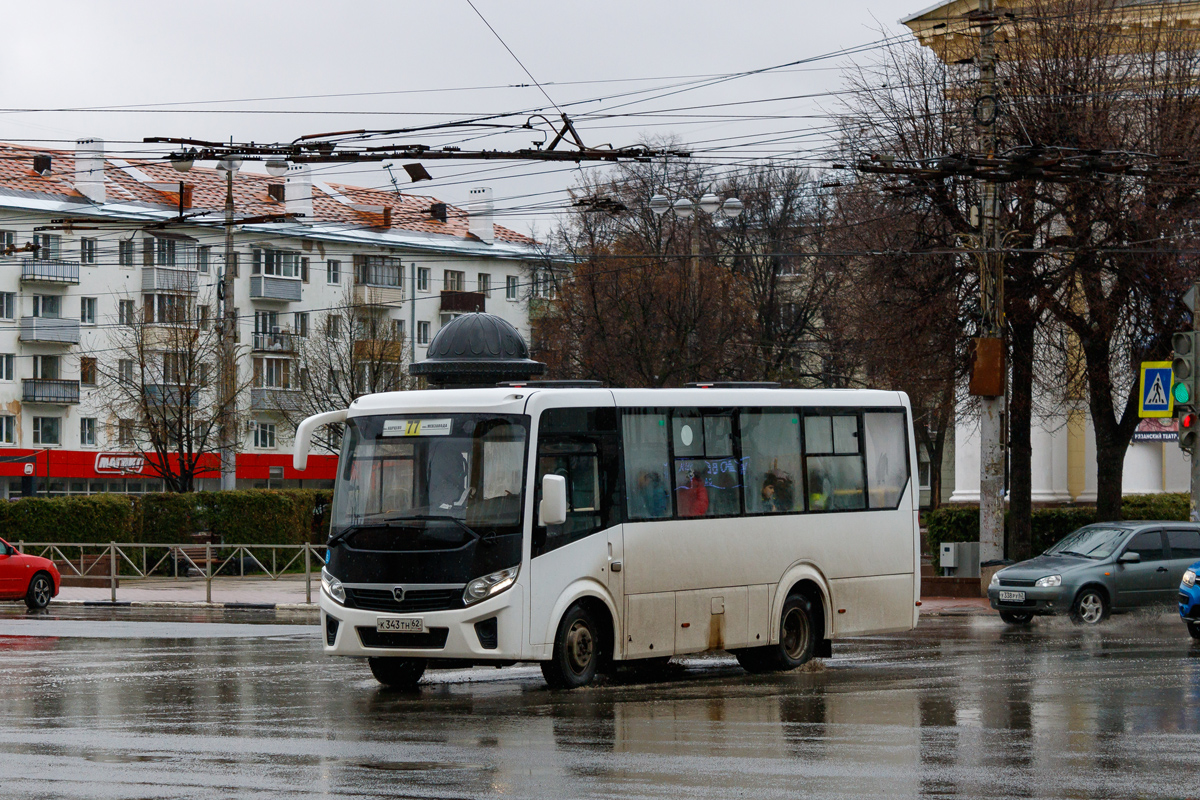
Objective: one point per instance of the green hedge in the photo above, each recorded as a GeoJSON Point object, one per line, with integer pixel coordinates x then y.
{"type": "Point", "coordinates": [241, 517]}
{"type": "Point", "coordinates": [961, 523]}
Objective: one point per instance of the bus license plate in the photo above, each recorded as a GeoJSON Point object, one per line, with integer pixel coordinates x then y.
{"type": "Point", "coordinates": [1005, 597]}
{"type": "Point", "coordinates": [400, 624]}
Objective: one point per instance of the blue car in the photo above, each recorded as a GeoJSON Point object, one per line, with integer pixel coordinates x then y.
{"type": "Point", "coordinates": [1189, 600]}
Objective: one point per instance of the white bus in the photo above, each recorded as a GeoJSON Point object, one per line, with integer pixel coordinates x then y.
{"type": "Point", "coordinates": [578, 527]}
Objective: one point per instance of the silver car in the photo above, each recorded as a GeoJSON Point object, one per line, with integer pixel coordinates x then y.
{"type": "Point", "coordinates": [1097, 570]}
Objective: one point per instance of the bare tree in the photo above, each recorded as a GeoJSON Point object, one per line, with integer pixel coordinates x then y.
{"type": "Point", "coordinates": [353, 350]}
{"type": "Point", "coordinates": [159, 390]}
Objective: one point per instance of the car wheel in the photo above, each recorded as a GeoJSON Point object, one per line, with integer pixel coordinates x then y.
{"type": "Point", "coordinates": [41, 589]}
{"type": "Point", "coordinates": [1194, 629]}
{"type": "Point", "coordinates": [797, 640]}
{"type": "Point", "coordinates": [1016, 617]}
{"type": "Point", "coordinates": [577, 651]}
{"type": "Point", "coordinates": [397, 673]}
{"type": "Point", "coordinates": [1090, 607]}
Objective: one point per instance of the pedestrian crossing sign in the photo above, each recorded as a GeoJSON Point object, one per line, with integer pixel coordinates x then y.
{"type": "Point", "coordinates": [1156, 390]}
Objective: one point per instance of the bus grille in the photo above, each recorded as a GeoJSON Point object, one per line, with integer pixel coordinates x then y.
{"type": "Point", "coordinates": [414, 600]}
{"type": "Point", "coordinates": [435, 639]}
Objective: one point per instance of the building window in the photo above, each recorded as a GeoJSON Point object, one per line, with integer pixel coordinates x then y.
{"type": "Point", "coordinates": [8, 429]}
{"type": "Point", "coordinates": [422, 279]}
{"type": "Point", "coordinates": [87, 310]}
{"type": "Point", "coordinates": [87, 251]}
{"type": "Point", "coordinates": [280, 263]}
{"type": "Point", "coordinates": [203, 257]}
{"type": "Point", "coordinates": [48, 246]}
{"type": "Point", "coordinates": [333, 271]}
{"type": "Point", "coordinates": [174, 367]}
{"type": "Point", "coordinates": [264, 435]}
{"type": "Point", "coordinates": [46, 430]}
{"type": "Point", "coordinates": [8, 243]}
{"type": "Point", "coordinates": [511, 287]}
{"type": "Point", "coordinates": [333, 326]}
{"type": "Point", "coordinates": [166, 308]}
{"type": "Point", "coordinates": [125, 312]}
{"type": "Point", "coordinates": [304, 268]}
{"type": "Point", "coordinates": [266, 321]}
{"type": "Point", "coordinates": [87, 371]}
{"type": "Point", "coordinates": [6, 366]}
{"type": "Point", "coordinates": [47, 305]}
{"type": "Point", "coordinates": [164, 252]}
{"type": "Point", "coordinates": [398, 329]}
{"type": "Point", "coordinates": [485, 284]}
{"type": "Point", "coordinates": [125, 252]}
{"type": "Point", "coordinates": [453, 280]}
{"type": "Point", "coordinates": [125, 371]}
{"type": "Point", "coordinates": [87, 431]}
{"type": "Point", "coordinates": [422, 333]}
{"type": "Point", "coordinates": [124, 431]}
{"type": "Point", "coordinates": [46, 368]}
{"type": "Point", "coordinates": [272, 373]}
{"type": "Point", "coordinates": [202, 317]}
{"type": "Point", "coordinates": [378, 271]}
{"type": "Point", "coordinates": [300, 323]}
{"type": "Point", "coordinates": [8, 305]}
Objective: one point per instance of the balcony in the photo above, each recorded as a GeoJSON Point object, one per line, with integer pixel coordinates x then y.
{"type": "Point", "coordinates": [171, 395]}
{"type": "Point", "coordinates": [56, 392]}
{"type": "Point", "coordinates": [281, 342]}
{"type": "Point", "coordinates": [169, 279]}
{"type": "Point", "coordinates": [287, 400]}
{"type": "Point", "coordinates": [273, 287]}
{"type": "Point", "coordinates": [369, 294]}
{"type": "Point", "coordinates": [50, 270]}
{"type": "Point", "coordinates": [462, 302]}
{"type": "Point", "coordinates": [55, 330]}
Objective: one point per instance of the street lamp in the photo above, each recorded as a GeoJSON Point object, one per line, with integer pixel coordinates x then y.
{"type": "Point", "coordinates": [684, 208]}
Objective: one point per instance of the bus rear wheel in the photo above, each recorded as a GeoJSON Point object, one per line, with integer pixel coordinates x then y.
{"type": "Point", "coordinates": [397, 673]}
{"type": "Point", "coordinates": [577, 651]}
{"type": "Point", "coordinates": [798, 628]}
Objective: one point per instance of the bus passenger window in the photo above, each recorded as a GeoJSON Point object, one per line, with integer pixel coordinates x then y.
{"type": "Point", "coordinates": [771, 461]}
{"type": "Point", "coordinates": [647, 480]}
{"type": "Point", "coordinates": [707, 478]}
{"type": "Point", "coordinates": [833, 462]}
{"type": "Point", "coordinates": [887, 457]}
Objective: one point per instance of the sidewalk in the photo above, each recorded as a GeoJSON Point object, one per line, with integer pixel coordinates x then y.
{"type": "Point", "coordinates": [287, 592]}
{"type": "Point", "coordinates": [955, 606]}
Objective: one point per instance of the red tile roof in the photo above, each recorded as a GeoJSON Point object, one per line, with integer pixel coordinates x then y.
{"type": "Point", "coordinates": [250, 193]}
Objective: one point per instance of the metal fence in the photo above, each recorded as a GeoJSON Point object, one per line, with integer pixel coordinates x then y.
{"type": "Point", "coordinates": [98, 560]}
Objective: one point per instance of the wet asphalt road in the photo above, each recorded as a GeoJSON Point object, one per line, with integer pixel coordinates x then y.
{"type": "Point", "coordinates": [134, 704]}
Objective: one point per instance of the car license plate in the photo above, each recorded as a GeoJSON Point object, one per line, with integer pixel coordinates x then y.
{"type": "Point", "coordinates": [400, 624]}
{"type": "Point", "coordinates": [1005, 597]}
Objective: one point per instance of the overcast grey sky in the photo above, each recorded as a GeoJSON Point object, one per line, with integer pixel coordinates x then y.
{"type": "Point", "coordinates": [420, 62]}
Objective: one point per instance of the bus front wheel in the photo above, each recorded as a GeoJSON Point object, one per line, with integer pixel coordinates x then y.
{"type": "Point", "coordinates": [577, 647]}
{"type": "Point", "coordinates": [798, 628]}
{"type": "Point", "coordinates": [397, 673]}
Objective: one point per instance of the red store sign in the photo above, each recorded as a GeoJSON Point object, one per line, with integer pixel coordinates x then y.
{"type": "Point", "coordinates": [119, 463]}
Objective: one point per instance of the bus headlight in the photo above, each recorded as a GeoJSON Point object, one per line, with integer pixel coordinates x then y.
{"type": "Point", "coordinates": [1048, 581]}
{"type": "Point", "coordinates": [1189, 578]}
{"type": "Point", "coordinates": [489, 585]}
{"type": "Point", "coordinates": [333, 587]}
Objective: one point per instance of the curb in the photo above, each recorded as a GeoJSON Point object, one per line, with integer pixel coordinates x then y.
{"type": "Point", "coordinates": [183, 604]}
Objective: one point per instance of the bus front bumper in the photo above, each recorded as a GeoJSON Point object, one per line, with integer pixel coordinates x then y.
{"type": "Point", "coordinates": [491, 630]}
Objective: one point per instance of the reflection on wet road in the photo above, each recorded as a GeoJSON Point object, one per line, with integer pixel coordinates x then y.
{"type": "Point", "coordinates": [128, 704]}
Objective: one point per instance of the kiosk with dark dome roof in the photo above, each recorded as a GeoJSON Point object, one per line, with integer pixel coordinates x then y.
{"type": "Point", "coordinates": [476, 350]}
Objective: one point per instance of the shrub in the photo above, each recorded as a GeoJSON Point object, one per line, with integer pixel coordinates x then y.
{"type": "Point", "coordinates": [98, 518]}
{"type": "Point", "coordinates": [961, 523]}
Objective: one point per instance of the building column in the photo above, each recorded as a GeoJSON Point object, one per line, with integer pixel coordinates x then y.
{"type": "Point", "coordinates": [966, 458]}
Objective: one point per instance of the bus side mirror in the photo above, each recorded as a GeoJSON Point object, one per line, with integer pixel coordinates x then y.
{"type": "Point", "coordinates": [553, 508]}
{"type": "Point", "coordinates": [304, 432]}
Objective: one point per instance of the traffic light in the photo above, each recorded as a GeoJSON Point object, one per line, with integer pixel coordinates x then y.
{"type": "Point", "coordinates": [1185, 379]}
{"type": "Point", "coordinates": [1183, 367]}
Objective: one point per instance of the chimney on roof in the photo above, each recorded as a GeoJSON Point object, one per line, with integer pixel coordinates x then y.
{"type": "Point", "coordinates": [298, 192]}
{"type": "Point", "coordinates": [479, 214]}
{"type": "Point", "coordinates": [89, 169]}
{"type": "Point", "coordinates": [438, 211]}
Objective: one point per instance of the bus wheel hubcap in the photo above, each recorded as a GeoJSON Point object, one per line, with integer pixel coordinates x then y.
{"type": "Point", "coordinates": [580, 646]}
{"type": "Point", "coordinates": [795, 633]}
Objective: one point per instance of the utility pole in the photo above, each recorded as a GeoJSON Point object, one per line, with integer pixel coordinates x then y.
{"type": "Point", "coordinates": [988, 368]}
{"type": "Point", "coordinates": [228, 333]}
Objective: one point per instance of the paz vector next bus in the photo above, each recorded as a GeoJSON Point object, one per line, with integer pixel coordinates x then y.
{"type": "Point", "coordinates": [578, 527]}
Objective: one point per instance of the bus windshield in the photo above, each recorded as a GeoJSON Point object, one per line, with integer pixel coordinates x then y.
{"type": "Point", "coordinates": [409, 471]}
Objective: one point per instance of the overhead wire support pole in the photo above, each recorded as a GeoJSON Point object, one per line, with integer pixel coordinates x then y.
{"type": "Point", "coordinates": [989, 368]}
{"type": "Point", "coordinates": [228, 336]}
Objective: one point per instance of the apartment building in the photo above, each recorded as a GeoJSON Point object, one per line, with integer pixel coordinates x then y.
{"type": "Point", "coordinates": [92, 244]}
